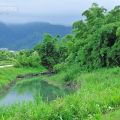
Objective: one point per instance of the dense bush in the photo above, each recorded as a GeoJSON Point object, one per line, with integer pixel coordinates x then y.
{"type": "Point", "coordinates": [97, 41]}
{"type": "Point", "coordinates": [7, 55]}
{"type": "Point", "coordinates": [94, 42]}
{"type": "Point", "coordinates": [27, 59]}
{"type": "Point", "coordinates": [51, 51]}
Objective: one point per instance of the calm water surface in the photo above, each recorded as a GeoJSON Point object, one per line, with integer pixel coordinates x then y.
{"type": "Point", "coordinates": [30, 90]}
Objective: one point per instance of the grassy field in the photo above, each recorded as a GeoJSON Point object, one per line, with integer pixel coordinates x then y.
{"type": "Point", "coordinates": [98, 96]}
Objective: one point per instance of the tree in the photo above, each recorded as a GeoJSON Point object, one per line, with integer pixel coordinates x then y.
{"type": "Point", "coordinates": [27, 58]}
{"type": "Point", "coordinates": [48, 52]}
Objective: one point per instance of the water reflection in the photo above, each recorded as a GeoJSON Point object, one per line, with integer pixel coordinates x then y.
{"type": "Point", "coordinates": [14, 97]}
{"type": "Point", "coordinates": [29, 90]}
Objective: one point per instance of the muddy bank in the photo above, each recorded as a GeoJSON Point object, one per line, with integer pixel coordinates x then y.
{"type": "Point", "coordinates": [30, 75]}
{"type": "Point", "coordinates": [72, 85]}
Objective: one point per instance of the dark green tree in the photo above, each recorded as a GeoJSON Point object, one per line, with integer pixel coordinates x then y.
{"type": "Point", "coordinates": [49, 52]}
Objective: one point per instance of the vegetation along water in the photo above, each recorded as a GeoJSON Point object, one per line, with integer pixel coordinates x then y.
{"type": "Point", "coordinates": [75, 77]}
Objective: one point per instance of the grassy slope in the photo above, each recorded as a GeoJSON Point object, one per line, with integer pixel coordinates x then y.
{"type": "Point", "coordinates": [9, 74]}
{"type": "Point", "coordinates": [99, 94]}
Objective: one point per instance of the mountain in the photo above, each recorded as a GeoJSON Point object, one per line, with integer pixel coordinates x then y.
{"type": "Point", "coordinates": [25, 36]}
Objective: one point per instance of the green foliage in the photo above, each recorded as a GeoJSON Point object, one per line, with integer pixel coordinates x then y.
{"type": "Point", "coordinates": [99, 94]}
{"type": "Point", "coordinates": [27, 59]}
{"type": "Point", "coordinates": [96, 42]}
{"type": "Point", "coordinates": [93, 43]}
{"type": "Point", "coordinates": [7, 55]}
{"type": "Point", "coordinates": [60, 67]}
{"type": "Point", "coordinates": [48, 51]}
{"type": "Point", "coordinates": [68, 77]}
{"type": "Point", "coordinates": [114, 115]}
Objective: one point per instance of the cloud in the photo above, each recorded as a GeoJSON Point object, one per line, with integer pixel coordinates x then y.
{"type": "Point", "coordinates": [8, 9]}
{"type": "Point", "coordinates": [53, 11]}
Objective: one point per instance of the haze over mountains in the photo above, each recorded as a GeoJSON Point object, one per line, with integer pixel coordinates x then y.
{"type": "Point", "coordinates": [25, 36]}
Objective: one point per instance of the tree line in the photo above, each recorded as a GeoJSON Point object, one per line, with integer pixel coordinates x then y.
{"type": "Point", "coordinates": [93, 43]}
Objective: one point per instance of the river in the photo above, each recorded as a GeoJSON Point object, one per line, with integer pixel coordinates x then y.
{"type": "Point", "coordinates": [29, 90]}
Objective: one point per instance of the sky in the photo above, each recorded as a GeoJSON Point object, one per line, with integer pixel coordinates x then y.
{"type": "Point", "coordinates": [53, 11]}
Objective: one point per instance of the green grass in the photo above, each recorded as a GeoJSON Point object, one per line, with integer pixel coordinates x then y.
{"type": "Point", "coordinates": [6, 62]}
{"type": "Point", "coordinates": [98, 96]}
{"type": "Point", "coordinates": [115, 115]}
{"type": "Point", "coordinates": [9, 74]}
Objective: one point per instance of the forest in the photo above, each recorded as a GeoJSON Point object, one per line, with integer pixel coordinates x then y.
{"type": "Point", "coordinates": [85, 62]}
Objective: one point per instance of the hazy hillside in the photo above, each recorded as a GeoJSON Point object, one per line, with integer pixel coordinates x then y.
{"type": "Point", "coordinates": [22, 36]}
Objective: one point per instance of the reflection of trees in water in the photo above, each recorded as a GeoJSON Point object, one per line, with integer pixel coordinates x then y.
{"type": "Point", "coordinates": [40, 88]}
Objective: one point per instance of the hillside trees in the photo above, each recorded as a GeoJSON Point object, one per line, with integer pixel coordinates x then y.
{"type": "Point", "coordinates": [93, 43]}
{"type": "Point", "coordinates": [96, 41]}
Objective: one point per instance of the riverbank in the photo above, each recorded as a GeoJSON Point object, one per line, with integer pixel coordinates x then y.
{"type": "Point", "coordinates": [98, 95]}
{"type": "Point", "coordinates": [7, 75]}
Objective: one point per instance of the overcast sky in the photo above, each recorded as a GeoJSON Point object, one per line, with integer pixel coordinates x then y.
{"type": "Point", "coordinates": [53, 11]}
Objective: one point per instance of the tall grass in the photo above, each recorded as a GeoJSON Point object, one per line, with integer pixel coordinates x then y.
{"type": "Point", "coordinates": [99, 93]}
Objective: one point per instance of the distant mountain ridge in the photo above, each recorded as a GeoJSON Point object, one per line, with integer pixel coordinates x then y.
{"type": "Point", "coordinates": [25, 36]}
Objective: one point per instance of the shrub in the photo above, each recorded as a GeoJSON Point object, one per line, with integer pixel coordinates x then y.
{"type": "Point", "coordinates": [27, 59]}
